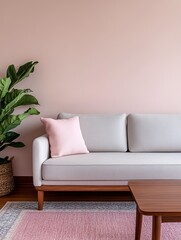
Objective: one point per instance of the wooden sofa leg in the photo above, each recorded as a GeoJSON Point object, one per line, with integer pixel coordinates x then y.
{"type": "Point", "coordinates": [40, 199]}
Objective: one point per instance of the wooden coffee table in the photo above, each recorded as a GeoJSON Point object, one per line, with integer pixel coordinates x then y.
{"type": "Point", "coordinates": [160, 199]}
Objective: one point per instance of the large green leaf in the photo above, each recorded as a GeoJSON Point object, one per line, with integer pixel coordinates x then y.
{"type": "Point", "coordinates": [2, 138]}
{"type": "Point", "coordinates": [23, 72]}
{"type": "Point", "coordinates": [12, 144]}
{"type": "Point", "coordinates": [8, 137]}
{"type": "Point", "coordinates": [30, 111]}
{"type": "Point", "coordinates": [11, 73]}
{"type": "Point", "coordinates": [9, 108]}
{"type": "Point", "coordinates": [26, 69]}
{"type": "Point", "coordinates": [10, 96]}
{"type": "Point", "coordinates": [11, 136]}
{"type": "Point", "coordinates": [16, 144]}
{"type": "Point", "coordinates": [12, 121]}
{"type": "Point", "coordinates": [4, 86]}
{"type": "Point", "coordinates": [9, 123]}
{"type": "Point", "coordinates": [27, 100]}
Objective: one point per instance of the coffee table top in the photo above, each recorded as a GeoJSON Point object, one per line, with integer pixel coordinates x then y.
{"type": "Point", "coordinates": [157, 197]}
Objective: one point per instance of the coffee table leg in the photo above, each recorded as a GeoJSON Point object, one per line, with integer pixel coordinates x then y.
{"type": "Point", "coordinates": [139, 218]}
{"type": "Point", "coordinates": [156, 227]}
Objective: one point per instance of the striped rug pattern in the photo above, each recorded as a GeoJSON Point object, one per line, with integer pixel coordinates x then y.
{"type": "Point", "coordinates": [77, 221]}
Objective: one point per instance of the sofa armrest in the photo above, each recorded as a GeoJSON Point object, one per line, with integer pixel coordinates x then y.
{"type": "Point", "coordinates": [41, 152]}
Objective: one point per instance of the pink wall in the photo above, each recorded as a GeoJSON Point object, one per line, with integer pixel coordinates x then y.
{"type": "Point", "coordinates": [94, 56]}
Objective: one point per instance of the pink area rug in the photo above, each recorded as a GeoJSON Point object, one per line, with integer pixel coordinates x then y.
{"type": "Point", "coordinates": [84, 224]}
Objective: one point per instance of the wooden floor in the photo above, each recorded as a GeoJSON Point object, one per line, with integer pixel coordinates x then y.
{"type": "Point", "coordinates": [26, 192]}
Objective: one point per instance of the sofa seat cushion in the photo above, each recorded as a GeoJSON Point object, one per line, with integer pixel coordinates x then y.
{"type": "Point", "coordinates": [112, 166]}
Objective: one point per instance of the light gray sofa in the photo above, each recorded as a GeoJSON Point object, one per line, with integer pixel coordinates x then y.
{"type": "Point", "coordinates": [122, 148]}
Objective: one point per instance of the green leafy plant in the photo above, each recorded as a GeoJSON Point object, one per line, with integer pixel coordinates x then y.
{"type": "Point", "coordinates": [10, 99]}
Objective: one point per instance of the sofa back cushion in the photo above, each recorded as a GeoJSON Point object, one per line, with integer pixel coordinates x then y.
{"type": "Point", "coordinates": [154, 132]}
{"type": "Point", "coordinates": [102, 132]}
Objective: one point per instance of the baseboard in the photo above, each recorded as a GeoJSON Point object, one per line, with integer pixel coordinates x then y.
{"type": "Point", "coordinates": [27, 180]}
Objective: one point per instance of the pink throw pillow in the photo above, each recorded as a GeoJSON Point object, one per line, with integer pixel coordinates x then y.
{"type": "Point", "coordinates": [65, 136]}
